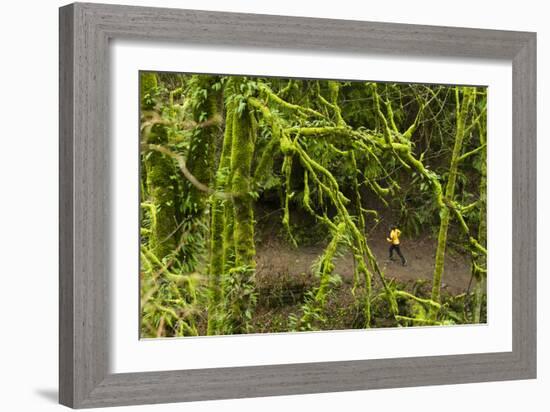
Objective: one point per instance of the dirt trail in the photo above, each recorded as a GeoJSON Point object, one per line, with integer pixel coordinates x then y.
{"type": "Point", "coordinates": [275, 258]}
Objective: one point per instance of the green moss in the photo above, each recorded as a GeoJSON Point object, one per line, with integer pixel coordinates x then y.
{"type": "Point", "coordinates": [287, 147]}
{"type": "Point", "coordinates": [481, 278]}
{"type": "Point", "coordinates": [287, 171]}
{"type": "Point", "coordinates": [334, 89]}
{"type": "Point", "coordinates": [265, 164]}
{"type": "Point", "coordinates": [241, 161]}
{"type": "Point", "coordinates": [326, 266]}
{"type": "Point", "coordinates": [301, 111]}
{"type": "Point", "coordinates": [444, 216]}
{"type": "Point", "coordinates": [360, 220]}
{"type": "Point", "coordinates": [306, 200]}
{"type": "Point", "coordinates": [147, 89]}
{"type": "Point", "coordinates": [218, 250]}
{"type": "Point", "coordinates": [161, 187]}
{"type": "Point", "coordinates": [238, 235]}
{"type": "Point", "coordinates": [463, 107]}
{"type": "Point", "coordinates": [205, 105]}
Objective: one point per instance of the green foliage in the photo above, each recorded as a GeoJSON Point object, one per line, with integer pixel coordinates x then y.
{"type": "Point", "coordinates": [313, 311]}
{"type": "Point", "coordinates": [332, 160]}
{"type": "Point", "coordinates": [148, 90]}
{"type": "Point", "coordinates": [240, 298]}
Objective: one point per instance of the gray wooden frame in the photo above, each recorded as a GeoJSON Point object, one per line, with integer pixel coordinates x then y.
{"type": "Point", "coordinates": [85, 31]}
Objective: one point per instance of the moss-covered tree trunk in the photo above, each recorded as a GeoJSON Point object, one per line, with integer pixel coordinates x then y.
{"type": "Point", "coordinates": [242, 151]}
{"type": "Point", "coordinates": [462, 110]}
{"type": "Point", "coordinates": [148, 84]}
{"type": "Point", "coordinates": [206, 102]}
{"type": "Point", "coordinates": [481, 278]}
{"type": "Point", "coordinates": [161, 187]}
{"type": "Point", "coordinates": [160, 171]}
{"type": "Point", "coordinates": [241, 162]}
{"type": "Point", "coordinates": [218, 248]}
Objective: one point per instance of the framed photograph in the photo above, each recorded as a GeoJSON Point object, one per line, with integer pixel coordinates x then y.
{"type": "Point", "coordinates": [256, 205]}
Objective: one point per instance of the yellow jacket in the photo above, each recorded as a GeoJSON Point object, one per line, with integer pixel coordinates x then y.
{"type": "Point", "coordinates": [394, 237]}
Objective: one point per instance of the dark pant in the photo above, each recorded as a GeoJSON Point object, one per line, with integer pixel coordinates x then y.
{"type": "Point", "coordinates": [398, 250]}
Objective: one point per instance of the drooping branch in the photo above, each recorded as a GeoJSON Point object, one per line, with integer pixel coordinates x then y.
{"type": "Point", "coordinates": [184, 170]}
{"type": "Point", "coordinates": [300, 110]}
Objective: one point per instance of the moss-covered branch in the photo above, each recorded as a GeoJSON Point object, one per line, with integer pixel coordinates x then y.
{"type": "Point", "coordinates": [185, 171]}
{"type": "Point", "coordinates": [472, 152]}
{"type": "Point", "coordinates": [300, 110]}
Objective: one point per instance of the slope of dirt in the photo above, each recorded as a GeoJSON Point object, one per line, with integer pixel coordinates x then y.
{"type": "Point", "coordinates": [276, 258]}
